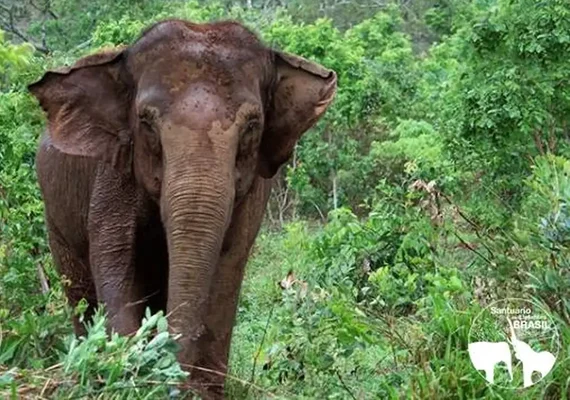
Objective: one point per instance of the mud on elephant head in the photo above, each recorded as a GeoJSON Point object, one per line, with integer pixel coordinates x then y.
{"type": "Point", "coordinates": [195, 114]}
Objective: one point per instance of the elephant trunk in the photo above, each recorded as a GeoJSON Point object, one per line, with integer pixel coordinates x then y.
{"type": "Point", "coordinates": [197, 200]}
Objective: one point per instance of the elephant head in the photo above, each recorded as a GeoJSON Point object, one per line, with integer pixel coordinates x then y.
{"type": "Point", "coordinates": [194, 113]}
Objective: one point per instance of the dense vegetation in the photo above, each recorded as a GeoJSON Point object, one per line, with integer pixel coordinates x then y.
{"type": "Point", "coordinates": [438, 182]}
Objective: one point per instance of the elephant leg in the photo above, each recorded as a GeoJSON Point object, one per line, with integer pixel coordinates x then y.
{"type": "Point", "coordinates": [490, 374]}
{"type": "Point", "coordinates": [224, 294]}
{"type": "Point", "coordinates": [112, 234]}
{"type": "Point", "coordinates": [211, 368]}
{"type": "Point", "coordinates": [78, 283]}
{"type": "Point", "coordinates": [527, 376]}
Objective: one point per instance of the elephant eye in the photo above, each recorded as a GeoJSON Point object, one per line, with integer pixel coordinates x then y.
{"type": "Point", "coordinates": [148, 117]}
{"type": "Point", "coordinates": [146, 124]}
{"type": "Point", "coordinates": [251, 127]}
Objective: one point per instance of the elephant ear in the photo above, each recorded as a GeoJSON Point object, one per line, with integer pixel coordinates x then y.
{"type": "Point", "coordinates": [303, 92]}
{"type": "Point", "coordinates": [87, 106]}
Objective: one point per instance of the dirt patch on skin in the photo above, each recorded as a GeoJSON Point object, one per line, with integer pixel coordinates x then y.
{"type": "Point", "coordinates": [177, 59]}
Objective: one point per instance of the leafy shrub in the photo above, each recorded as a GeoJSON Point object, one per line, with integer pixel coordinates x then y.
{"type": "Point", "coordinates": [545, 226]}
{"type": "Point", "coordinates": [23, 247]}
{"type": "Point", "coordinates": [140, 366]}
{"type": "Point", "coordinates": [13, 58]}
{"type": "Point", "coordinates": [117, 32]}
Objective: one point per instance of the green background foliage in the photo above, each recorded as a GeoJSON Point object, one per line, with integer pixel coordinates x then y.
{"type": "Point", "coordinates": [438, 182]}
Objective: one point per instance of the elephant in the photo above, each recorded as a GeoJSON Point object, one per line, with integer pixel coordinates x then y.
{"type": "Point", "coordinates": [485, 355]}
{"type": "Point", "coordinates": [155, 169]}
{"type": "Point", "coordinates": [532, 361]}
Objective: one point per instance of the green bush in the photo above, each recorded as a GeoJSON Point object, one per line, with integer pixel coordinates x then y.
{"type": "Point", "coordinates": [141, 366]}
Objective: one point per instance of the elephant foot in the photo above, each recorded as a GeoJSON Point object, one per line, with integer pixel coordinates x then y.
{"type": "Point", "coordinates": [209, 383]}
{"type": "Point", "coordinates": [207, 373]}
{"type": "Point", "coordinates": [206, 390]}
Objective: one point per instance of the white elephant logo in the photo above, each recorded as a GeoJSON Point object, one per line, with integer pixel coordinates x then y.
{"type": "Point", "coordinates": [540, 361]}
{"type": "Point", "coordinates": [485, 355]}
{"type": "Point", "coordinates": [523, 331]}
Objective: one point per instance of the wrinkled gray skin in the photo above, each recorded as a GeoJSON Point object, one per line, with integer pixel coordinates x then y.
{"type": "Point", "coordinates": [155, 171]}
